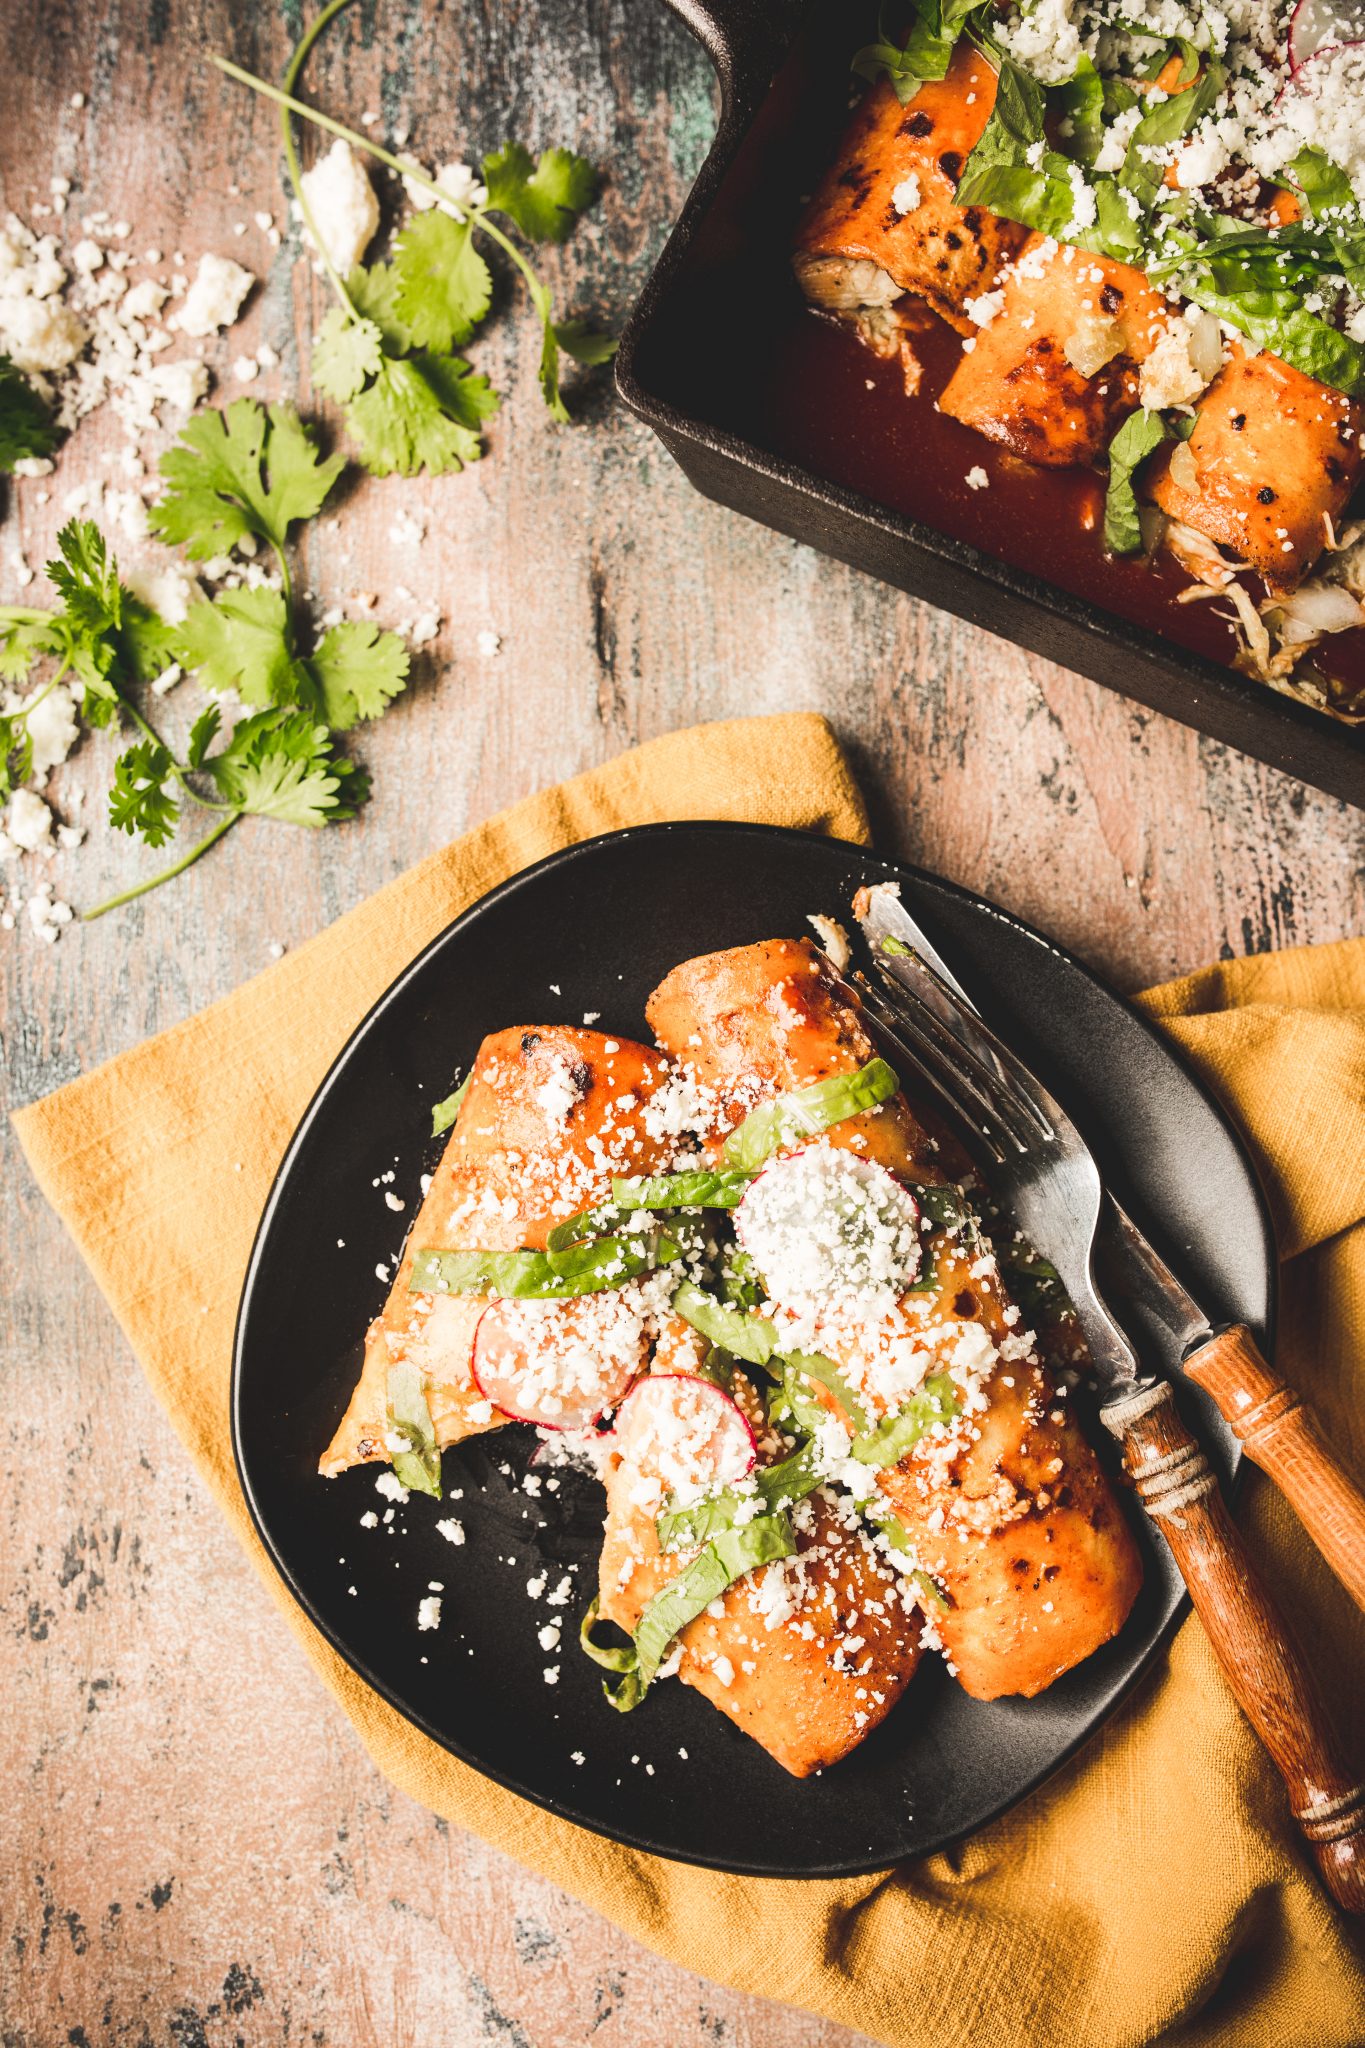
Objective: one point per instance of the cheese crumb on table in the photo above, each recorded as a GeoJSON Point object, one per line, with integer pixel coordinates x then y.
{"type": "Point", "coordinates": [216, 296]}
{"type": "Point", "coordinates": [343, 205]}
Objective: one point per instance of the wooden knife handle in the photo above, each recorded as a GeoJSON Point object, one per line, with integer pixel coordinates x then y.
{"type": "Point", "coordinates": [1282, 1435]}
{"type": "Point", "coordinates": [1261, 1660]}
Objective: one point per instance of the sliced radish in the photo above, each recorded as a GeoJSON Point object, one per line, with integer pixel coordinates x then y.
{"type": "Point", "coordinates": [685, 1432]}
{"type": "Point", "coordinates": [831, 1232]}
{"type": "Point", "coordinates": [1318, 25]}
{"type": "Point", "coordinates": [559, 1364]}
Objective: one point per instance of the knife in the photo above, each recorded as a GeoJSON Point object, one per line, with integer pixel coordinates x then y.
{"type": "Point", "coordinates": [1056, 1195]}
{"type": "Point", "coordinates": [1276, 1426]}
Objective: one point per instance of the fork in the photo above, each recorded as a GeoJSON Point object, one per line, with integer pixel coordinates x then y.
{"type": "Point", "coordinates": [1040, 1166]}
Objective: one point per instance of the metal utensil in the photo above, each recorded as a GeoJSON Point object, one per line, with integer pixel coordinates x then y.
{"type": "Point", "coordinates": [1040, 1166]}
{"type": "Point", "coordinates": [1279, 1429]}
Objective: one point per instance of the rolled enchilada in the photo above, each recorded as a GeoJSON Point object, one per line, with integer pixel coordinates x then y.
{"type": "Point", "coordinates": [1055, 365]}
{"type": "Point", "coordinates": [1268, 470]}
{"type": "Point", "coordinates": [885, 220]}
{"type": "Point", "coordinates": [809, 1652]}
{"type": "Point", "coordinates": [550, 1113]}
{"type": "Point", "coordinates": [1000, 1498]}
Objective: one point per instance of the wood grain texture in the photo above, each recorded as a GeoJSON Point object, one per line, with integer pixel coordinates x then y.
{"type": "Point", "coordinates": [1261, 1658]}
{"type": "Point", "coordinates": [200, 1851]}
{"type": "Point", "coordinates": [1282, 1433]}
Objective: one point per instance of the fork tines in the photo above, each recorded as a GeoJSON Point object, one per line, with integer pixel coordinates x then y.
{"type": "Point", "coordinates": [956, 1080]}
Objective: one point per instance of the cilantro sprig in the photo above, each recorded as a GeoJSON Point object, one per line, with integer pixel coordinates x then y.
{"type": "Point", "coordinates": [235, 479]}
{"type": "Point", "coordinates": [388, 351]}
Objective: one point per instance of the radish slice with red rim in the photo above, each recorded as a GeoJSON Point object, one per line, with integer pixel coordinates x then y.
{"type": "Point", "coordinates": [559, 1364]}
{"type": "Point", "coordinates": [1317, 26]}
{"type": "Point", "coordinates": [685, 1432]}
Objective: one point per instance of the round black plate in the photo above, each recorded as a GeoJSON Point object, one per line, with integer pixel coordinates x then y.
{"type": "Point", "coordinates": [594, 929]}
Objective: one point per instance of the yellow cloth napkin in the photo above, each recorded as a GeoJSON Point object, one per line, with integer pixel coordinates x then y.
{"type": "Point", "coordinates": [1153, 1891]}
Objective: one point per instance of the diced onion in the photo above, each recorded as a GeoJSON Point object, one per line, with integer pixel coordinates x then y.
{"type": "Point", "coordinates": [1092, 344]}
{"type": "Point", "coordinates": [1315, 609]}
{"type": "Point", "coordinates": [1184, 474]}
{"type": "Point", "coordinates": [1206, 346]}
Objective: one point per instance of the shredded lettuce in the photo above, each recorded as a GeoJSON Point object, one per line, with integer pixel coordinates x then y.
{"type": "Point", "coordinates": [888, 1441]}
{"type": "Point", "coordinates": [701, 1190]}
{"type": "Point", "coordinates": [729, 1555]}
{"type": "Point", "coordinates": [774, 1486]}
{"type": "Point", "coordinates": [926, 51]}
{"type": "Point", "coordinates": [1141, 434]}
{"type": "Point", "coordinates": [543, 1276]}
{"type": "Point", "coordinates": [1014, 172]}
{"type": "Point", "coordinates": [898, 1536]}
{"type": "Point", "coordinates": [816, 1366]}
{"type": "Point", "coordinates": [805, 1112]}
{"type": "Point", "coordinates": [1165, 123]}
{"type": "Point", "coordinates": [588, 1223]}
{"type": "Point", "coordinates": [746, 1336]}
{"type": "Point", "coordinates": [408, 1414]}
{"type": "Point", "coordinates": [444, 1113]}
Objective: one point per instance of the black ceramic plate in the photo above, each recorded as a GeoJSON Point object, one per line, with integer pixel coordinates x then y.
{"type": "Point", "coordinates": [594, 929]}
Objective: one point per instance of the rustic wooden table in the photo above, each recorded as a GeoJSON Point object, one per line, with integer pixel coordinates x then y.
{"type": "Point", "coordinates": [197, 1849]}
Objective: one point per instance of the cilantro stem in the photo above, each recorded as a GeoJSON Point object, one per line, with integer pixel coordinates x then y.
{"type": "Point", "coordinates": [477, 214]}
{"type": "Point", "coordinates": [186, 860]}
{"type": "Point", "coordinates": [291, 154]}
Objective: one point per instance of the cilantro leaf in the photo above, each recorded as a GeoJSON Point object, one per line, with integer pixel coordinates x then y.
{"type": "Point", "coordinates": [584, 343]}
{"type": "Point", "coordinates": [25, 428]}
{"type": "Point", "coordinates": [16, 753]}
{"type": "Point", "coordinates": [240, 641]}
{"type": "Point", "coordinates": [281, 764]}
{"type": "Point", "coordinates": [414, 417]}
{"type": "Point", "coordinates": [203, 733]}
{"type": "Point", "coordinates": [139, 800]}
{"type": "Point", "coordinates": [548, 373]}
{"type": "Point", "coordinates": [358, 671]}
{"type": "Point", "coordinates": [441, 285]}
{"type": "Point", "coordinates": [25, 638]}
{"type": "Point", "coordinates": [372, 290]}
{"type": "Point", "coordinates": [86, 578]}
{"type": "Point", "coordinates": [543, 198]}
{"type": "Point", "coordinates": [345, 353]}
{"type": "Point", "coordinates": [247, 470]}
{"type": "Point", "coordinates": [148, 645]}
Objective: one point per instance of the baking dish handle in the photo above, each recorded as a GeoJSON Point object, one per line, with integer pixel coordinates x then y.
{"type": "Point", "coordinates": [746, 40]}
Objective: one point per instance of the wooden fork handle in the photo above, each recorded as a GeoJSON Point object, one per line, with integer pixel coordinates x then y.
{"type": "Point", "coordinates": [1263, 1663]}
{"type": "Point", "coordinates": [1282, 1435]}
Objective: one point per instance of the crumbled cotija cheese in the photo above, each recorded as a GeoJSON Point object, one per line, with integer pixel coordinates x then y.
{"type": "Point", "coordinates": [216, 296]}
{"type": "Point", "coordinates": [343, 205]}
{"type": "Point", "coordinates": [832, 1234]}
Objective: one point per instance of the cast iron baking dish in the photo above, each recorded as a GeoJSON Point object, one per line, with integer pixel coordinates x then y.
{"type": "Point", "coordinates": [719, 359]}
{"type": "Point", "coordinates": [594, 929]}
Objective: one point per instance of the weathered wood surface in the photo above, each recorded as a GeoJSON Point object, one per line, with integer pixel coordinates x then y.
{"type": "Point", "coordinates": [196, 1848]}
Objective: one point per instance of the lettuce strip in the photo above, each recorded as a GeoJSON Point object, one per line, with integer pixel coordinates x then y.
{"type": "Point", "coordinates": [729, 1555]}
{"type": "Point", "coordinates": [805, 1112]}
{"type": "Point", "coordinates": [543, 1276]}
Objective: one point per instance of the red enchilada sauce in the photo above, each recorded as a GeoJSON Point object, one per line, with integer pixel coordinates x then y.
{"type": "Point", "coordinates": [830, 404]}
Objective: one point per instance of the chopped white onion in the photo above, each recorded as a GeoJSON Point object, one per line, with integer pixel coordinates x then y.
{"type": "Point", "coordinates": [1094, 343]}
{"type": "Point", "coordinates": [1318, 608]}
{"type": "Point", "coordinates": [1183, 472]}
